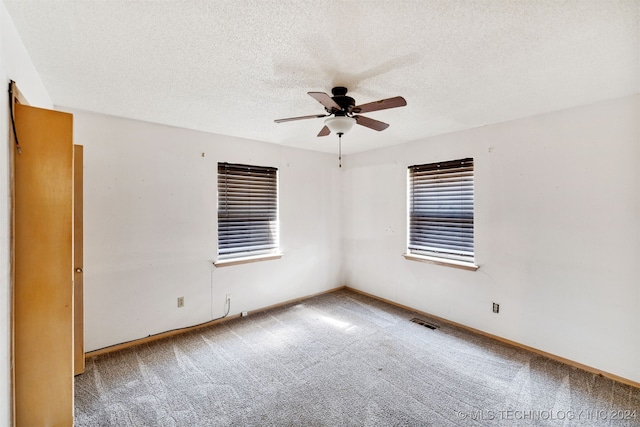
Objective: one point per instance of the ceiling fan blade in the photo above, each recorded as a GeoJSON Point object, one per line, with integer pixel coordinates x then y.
{"type": "Point", "coordinates": [383, 104]}
{"type": "Point", "coordinates": [290, 119]}
{"type": "Point", "coordinates": [325, 100]}
{"type": "Point", "coordinates": [371, 123]}
{"type": "Point", "coordinates": [324, 131]}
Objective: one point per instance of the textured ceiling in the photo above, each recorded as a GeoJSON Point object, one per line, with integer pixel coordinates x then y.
{"type": "Point", "coordinates": [232, 67]}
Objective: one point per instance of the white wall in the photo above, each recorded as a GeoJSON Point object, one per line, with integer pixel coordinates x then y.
{"type": "Point", "coordinates": [151, 227]}
{"type": "Point", "coordinates": [557, 232]}
{"type": "Point", "coordinates": [16, 65]}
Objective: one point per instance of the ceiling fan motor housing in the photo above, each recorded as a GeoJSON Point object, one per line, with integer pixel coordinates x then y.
{"type": "Point", "coordinates": [345, 102]}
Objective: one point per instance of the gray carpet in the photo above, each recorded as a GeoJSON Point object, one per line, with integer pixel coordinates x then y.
{"type": "Point", "coordinates": [342, 359]}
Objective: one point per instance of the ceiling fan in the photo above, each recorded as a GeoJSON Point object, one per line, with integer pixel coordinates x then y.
{"type": "Point", "coordinates": [345, 112]}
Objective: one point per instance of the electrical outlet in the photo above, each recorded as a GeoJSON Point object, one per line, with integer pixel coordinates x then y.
{"type": "Point", "coordinates": [496, 307]}
{"type": "Point", "coordinates": [180, 302]}
{"type": "Point", "coordinates": [245, 314]}
{"type": "Point", "coordinates": [229, 297]}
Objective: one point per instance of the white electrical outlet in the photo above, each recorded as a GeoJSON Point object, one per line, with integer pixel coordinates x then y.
{"type": "Point", "coordinates": [245, 314]}
{"type": "Point", "coordinates": [228, 297]}
{"type": "Point", "coordinates": [180, 302]}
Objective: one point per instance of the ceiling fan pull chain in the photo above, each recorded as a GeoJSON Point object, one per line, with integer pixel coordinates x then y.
{"type": "Point", "coordinates": [340, 149]}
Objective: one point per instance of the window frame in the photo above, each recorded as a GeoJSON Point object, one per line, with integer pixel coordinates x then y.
{"type": "Point", "coordinates": [256, 188]}
{"type": "Point", "coordinates": [453, 218]}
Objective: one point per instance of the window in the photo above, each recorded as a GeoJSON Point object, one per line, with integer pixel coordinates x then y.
{"type": "Point", "coordinates": [441, 210]}
{"type": "Point", "coordinates": [247, 211]}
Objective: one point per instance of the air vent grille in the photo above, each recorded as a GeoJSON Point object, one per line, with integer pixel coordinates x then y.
{"type": "Point", "coordinates": [424, 323]}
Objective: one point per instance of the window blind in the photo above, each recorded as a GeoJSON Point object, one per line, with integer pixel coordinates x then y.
{"type": "Point", "coordinates": [247, 210]}
{"type": "Point", "coordinates": [441, 209]}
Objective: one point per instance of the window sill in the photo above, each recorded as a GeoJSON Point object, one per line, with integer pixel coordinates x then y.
{"type": "Point", "coordinates": [245, 260]}
{"type": "Point", "coordinates": [442, 261]}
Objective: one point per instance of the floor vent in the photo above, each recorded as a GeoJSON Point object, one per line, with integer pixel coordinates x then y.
{"type": "Point", "coordinates": [424, 323]}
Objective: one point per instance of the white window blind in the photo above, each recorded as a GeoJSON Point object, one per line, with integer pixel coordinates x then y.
{"type": "Point", "coordinates": [247, 210]}
{"type": "Point", "coordinates": [441, 209]}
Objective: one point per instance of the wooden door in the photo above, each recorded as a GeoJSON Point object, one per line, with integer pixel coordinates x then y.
{"type": "Point", "coordinates": [43, 268]}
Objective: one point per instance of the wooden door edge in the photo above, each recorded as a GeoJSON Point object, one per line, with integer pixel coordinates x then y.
{"type": "Point", "coordinates": [15, 97]}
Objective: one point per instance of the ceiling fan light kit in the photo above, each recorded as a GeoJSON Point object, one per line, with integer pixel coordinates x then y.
{"type": "Point", "coordinates": [340, 124]}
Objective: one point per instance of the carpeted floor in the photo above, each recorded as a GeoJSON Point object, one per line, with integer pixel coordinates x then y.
{"type": "Point", "coordinates": [342, 359]}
